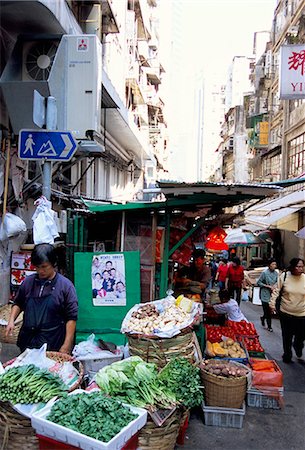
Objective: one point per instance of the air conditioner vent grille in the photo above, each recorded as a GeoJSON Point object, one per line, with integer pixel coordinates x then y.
{"type": "Point", "coordinates": [39, 60]}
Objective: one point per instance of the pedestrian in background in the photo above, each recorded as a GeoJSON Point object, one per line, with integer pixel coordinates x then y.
{"type": "Point", "coordinates": [221, 273]}
{"type": "Point", "coordinates": [235, 278]}
{"type": "Point", "coordinates": [267, 282]}
{"type": "Point", "coordinates": [292, 308]}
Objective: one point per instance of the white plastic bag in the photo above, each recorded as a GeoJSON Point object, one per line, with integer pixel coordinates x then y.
{"type": "Point", "coordinates": [86, 347]}
{"type": "Point", "coordinates": [44, 227]}
{"type": "Point", "coordinates": [11, 226]}
{"type": "Point", "coordinates": [245, 296]}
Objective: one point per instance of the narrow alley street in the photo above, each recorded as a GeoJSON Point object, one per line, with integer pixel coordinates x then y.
{"type": "Point", "coordinates": [262, 428]}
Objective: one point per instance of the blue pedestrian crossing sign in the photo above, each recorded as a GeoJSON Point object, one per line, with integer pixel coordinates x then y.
{"type": "Point", "coordinates": [49, 145]}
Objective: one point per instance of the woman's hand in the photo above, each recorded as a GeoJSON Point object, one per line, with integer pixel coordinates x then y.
{"type": "Point", "coordinates": [9, 329]}
{"type": "Point", "coordinates": [65, 349]}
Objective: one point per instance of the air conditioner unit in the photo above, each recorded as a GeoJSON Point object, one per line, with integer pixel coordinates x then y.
{"type": "Point", "coordinates": [66, 67]}
{"type": "Point", "coordinates": [76, 82]}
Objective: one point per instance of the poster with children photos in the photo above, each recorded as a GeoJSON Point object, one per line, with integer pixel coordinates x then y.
{"type": "Point", "coordinates": [108, 280]}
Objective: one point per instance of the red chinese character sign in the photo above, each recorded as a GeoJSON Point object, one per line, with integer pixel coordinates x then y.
{"type": "Point", "coordinates": [292, 71]}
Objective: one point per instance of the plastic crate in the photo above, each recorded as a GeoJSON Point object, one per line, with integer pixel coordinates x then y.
{"type": "Point", "coordinates": [257, 399]}
{"type": "Point", "coordinates": [93, 363]}
{"type": "Point", "coordinates": [52, 430]}
{"type": "Point", "coordinates": [223, 417]}
{"type": "Point", "coordinates": [50, 444]}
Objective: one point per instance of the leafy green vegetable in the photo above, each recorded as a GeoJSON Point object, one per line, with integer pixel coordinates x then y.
{"type": "Point", "coordinates": [91, 414]}
{"type": "Point", "coordinates": [182, 379]}
{"type": "Point", "coordinates": [136, 382]}
{"type": "Point", "coordinates": [29, 384]}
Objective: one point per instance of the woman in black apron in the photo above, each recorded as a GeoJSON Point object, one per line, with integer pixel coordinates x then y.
{"type": "Point", "coordinates": [49, 302]}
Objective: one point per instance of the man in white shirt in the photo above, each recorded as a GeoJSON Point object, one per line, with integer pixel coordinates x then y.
{"type": "Point", "coordinates": [229, 306]}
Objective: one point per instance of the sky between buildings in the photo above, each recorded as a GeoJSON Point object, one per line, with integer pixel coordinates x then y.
{"type": "Point", "coordinates": [202, 39]}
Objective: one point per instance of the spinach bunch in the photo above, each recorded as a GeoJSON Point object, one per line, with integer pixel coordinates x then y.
{"type": "Point", "coordinates": [91, 414]}
{"type": "Point", "coordinates": [182, 379]}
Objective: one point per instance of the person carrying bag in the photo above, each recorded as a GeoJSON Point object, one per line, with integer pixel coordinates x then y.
{"type": "Point", "coordinates": [291, 303]}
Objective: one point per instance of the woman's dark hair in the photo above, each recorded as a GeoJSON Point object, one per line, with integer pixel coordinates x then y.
{"type": "Point", "coordinates": [294, 262]}
{"type": "Point", "coordinates": [224, 295]}
{"type": "Point", "coordinates": [44, 253]}
{"type": "Point", "coordinates": [271, 260]}
{"type": "Point", "coordinates": [236, 260]}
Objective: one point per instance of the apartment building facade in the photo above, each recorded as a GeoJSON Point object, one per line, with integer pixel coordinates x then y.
{"type": "Point", "coordinates": [275, 134]}
{"type": "Point", "coordinates": [112, 104]}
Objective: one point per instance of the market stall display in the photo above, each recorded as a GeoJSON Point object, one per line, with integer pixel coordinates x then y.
{"type": "Point", "coordinates": [163, 329]}
{"type": "Point", "coordinates": [167, 394]}
{"type": "Point", "coordinates": [89, 420]}
{"type": "Point", "coordinates": [227, 348]}
{"type": "Point", "coordinates": [29, 384]}
{"type": "Point", "coordinates": [225, 383]}
{"type": "Point", "coordinates": [60, 363]}
{"type": "Point", "coordinates": [267, 385]}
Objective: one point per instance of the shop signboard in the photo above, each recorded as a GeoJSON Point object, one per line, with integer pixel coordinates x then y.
{"type": "Point", "coordinates": [292, 71]}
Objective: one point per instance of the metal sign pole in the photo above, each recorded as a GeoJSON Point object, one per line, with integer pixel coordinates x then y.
{"type": "Point", "coordinates": [51, 123]}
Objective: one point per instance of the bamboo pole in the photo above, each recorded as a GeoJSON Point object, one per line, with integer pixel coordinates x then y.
{"type": "Point", "coordinates": [7, 167]}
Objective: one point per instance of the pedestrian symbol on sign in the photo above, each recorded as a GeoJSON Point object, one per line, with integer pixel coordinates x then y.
{"type": "Point", "coordinates": [29, 145]}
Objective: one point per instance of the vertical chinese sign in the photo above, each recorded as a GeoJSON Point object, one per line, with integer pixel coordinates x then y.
{"type": "Point", "coordinates": [292, 71]}
{"type": "Point", "coordinates": [108, 280]}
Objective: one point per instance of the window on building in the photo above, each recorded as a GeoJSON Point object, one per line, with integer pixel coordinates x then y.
{"type": "Point", "coordinates": [296, 156]}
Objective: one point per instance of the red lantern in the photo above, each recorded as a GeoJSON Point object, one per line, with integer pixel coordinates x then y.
{"type": "Point", "coordinates": [215, 240]}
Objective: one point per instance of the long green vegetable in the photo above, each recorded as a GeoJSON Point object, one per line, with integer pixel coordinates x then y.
{"type": "Point", "coordinates": [91, 414]}
{"type": "Point", "coordinates": [29, 384]}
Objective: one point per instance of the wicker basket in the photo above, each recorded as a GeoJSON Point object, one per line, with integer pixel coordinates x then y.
{"type": "Point", "coordinates": [152, 437]}
{"type": "Point", "coordinates": [5, 312]}
{"type": "Point", "coordinates": [61, 358]}
{"type": "Point", "coordinates": [16, 432]}
{"type": "Point", "coordinates": [222, 391]}
{"type": "Point", "coordinates": [161, 351]}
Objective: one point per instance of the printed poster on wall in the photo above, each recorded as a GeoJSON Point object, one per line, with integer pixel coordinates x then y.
{"type": "Point", "coordinates": [108, 280]}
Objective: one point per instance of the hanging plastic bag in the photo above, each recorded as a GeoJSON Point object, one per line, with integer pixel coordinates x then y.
{"type": "Point", "coordinates": [44, 227]}
{"type": "Point", "coordinates": [11, 226]}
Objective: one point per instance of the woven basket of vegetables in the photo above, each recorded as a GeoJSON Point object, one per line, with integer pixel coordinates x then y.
{"type": "Point", "coordinates": [161, 350]}
{"type": "Point", "coordinates": [153, 437]}
{"type": "Point", "coordinates": [16, 432]}
{"type": "Point", "coordinates": [225, 383]}
{"type": "Point", "coordinates": [61, 358]}
{"type": "Point", "coordinates": [5, 312]}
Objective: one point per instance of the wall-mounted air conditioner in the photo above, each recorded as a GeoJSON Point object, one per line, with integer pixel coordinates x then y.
{"type": "Point", "coordinates": [66, 67]}
{"type": "Point", "coordinates": [76, 81]}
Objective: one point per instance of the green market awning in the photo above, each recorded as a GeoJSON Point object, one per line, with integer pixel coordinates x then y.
{"type": "Point", "coordinates": [192, 196]}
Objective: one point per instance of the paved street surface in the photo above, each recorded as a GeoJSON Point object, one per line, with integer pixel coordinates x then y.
{"type": "Point", "coordinates": [263, 429]}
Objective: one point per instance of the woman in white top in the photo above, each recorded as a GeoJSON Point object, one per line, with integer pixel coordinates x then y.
{"type": "Point", "coordinates": [229, 306]}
